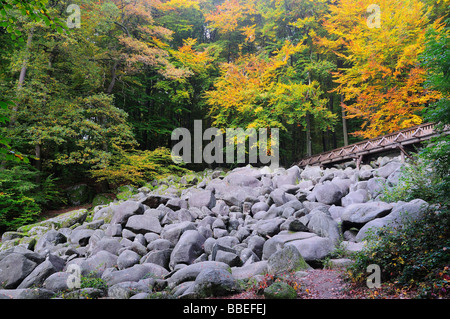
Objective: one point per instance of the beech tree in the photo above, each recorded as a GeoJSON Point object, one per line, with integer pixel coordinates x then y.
{"type": "Point", "coordinates": [382, 81]}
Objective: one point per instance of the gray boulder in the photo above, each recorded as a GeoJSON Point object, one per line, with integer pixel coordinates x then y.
{"type": "Point", "coordinates": [357, 197]}
{"type": "Point", "coordinates": [328, 193]}
{"type": "Point", "coordinates": [57, 281]}
{"type": "Point", "coordinates": [278, 241]}
{"type": "Point", "coordinates": [286, 260]}
{"type": "Point", "coordinates": [241, 179]}
{"type": "Point", "coordinates": [127, 259]}
{"type": "Point", "coordinates": [202, 198]}
{"type": "Point", "coordinates": [48, 240]}
{"type": "Point", "coordinates": [190, 272]}
{"type": "Point", "coordinates": [401, 213]}
{"type": "Point", "coordinates": [214, 282]}
{"type": "Point", "coordinates": [159, 257]}
{"type": "Point", "coordinates": [249, 270]}
{"type": "Point", "coordinates": [269, 227]}
{"type": "Point", "coordinates": [141, 224]}
{"type": "Point", "coordinates": [14, 268]}
{"type": "Point", "coordinates": [312, 173]}
{"type": "Point", "coordinates": [37, 277]}
{"type": "Point", "coordinates": [96, 264]}
{"type": "Point", "coordinates": [375, 186]}
{"type": "Point", "coordinates": [125, 210]}
{"type": "Point", "coordinates": [188, 248]}
{"type": "Point", "coordinates": [388, 169]}
{"type": "Point", "coordinates": [278, 196]}
{"type": "Point", "coordinates": [127, 289]}
{"type": "Point", "coordinates": [313, 248]}
{"type": "Point", "coordinates": [23, 293]}
{"type": "Point", "coordinates": [81, 236]}
{"type": "Point", "coordinates": [289, 177]}
{"type": "Point", "coordinates": [110, 244]}
{"type": "Point", "coordinates": [134, 273]}
{"type": "Point", "coordinates": [258, 207]}
{"type": "Point", "coordinates": [365, 212]}
{"type": "Point", "coordinates": [323, 225]}
{"type": "Point", "coordinates": [173, 232]}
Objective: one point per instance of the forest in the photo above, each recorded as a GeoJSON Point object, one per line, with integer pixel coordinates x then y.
{"type": "Point", "coordinates": [91, 90]}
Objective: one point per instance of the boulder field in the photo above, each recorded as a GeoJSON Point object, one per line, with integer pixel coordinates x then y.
{"type": "Point", "coordinates": [204, 239]}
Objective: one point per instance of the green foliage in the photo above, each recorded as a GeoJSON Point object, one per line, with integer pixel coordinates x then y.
{"type": "Point", "coordinates": [138, 167]}
{"type": "Point", "coordinates": [91, 281]}
{"type": "Point", "coordinates": [24, 193]}
{"type": "Point", "coordinates": [17, 210]}
{"type": "Point", "coordinates": [413, 255]}
{"type": "Point", "coordinates": [13, 11]}
{"type": "Point", "coordinates": [436, 58]}
{"type": "Point", "coordinates": [416, 180]}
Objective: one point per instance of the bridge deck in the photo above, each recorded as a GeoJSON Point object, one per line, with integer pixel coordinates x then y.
{"type": "Point", "coordinates": [395, 140]}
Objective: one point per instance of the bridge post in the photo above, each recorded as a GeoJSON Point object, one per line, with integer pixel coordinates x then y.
{"type": "Point", "coordinates": [403, 152]}
{"type": "Point", "coordinates": [358, 161]}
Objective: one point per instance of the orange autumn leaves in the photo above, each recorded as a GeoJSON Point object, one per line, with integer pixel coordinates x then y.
{"type": "Point", "coordinates": [382, 79]}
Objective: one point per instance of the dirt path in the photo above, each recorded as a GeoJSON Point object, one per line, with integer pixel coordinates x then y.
{"type": "Point", "coordinates": [323, 284]}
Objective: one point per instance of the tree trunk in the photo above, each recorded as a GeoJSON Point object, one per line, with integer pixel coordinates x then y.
{"type": "Point", "coordinates": [308, 136]}
{"type": "Point", "coordinates": [344, 123]}
{"type": "Point", "coordinates": [23, 72]}
{"type": "Point", "coordinates": [38, 163]}
{"type": "Point", "coordinates": [113, 78]}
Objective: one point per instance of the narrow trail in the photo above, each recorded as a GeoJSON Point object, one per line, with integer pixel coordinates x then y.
{"type": "Point", "coordinates": [323, 284]}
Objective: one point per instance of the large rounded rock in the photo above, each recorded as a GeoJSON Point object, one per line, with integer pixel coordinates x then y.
{"type": "Point", "coordinates": [214, 282]}
{"type": "Point", "coordinates": [401, 213]}
{"type": "Point", "coordinates": [51, 265]}
{"type": "Point", "coordinates": [357, 197]}
{"type": "Point", "coordinates": [365, 212]}
{"type": "Point", "coordinates": [81, 236]}
{"type": "Point", "coordinates": [127, 259]}
{"type": "Point", "coordinates": [96, 264]}
{"type": "Point", "coordinates": [58, 281]}
{"type": "Point", "coordinates": [190, 272]}
{"type": "Point", "coordinates": [323, 225]}
{"type": "Point", "coordinates": [289, 177]}
{"type": "Point", "coordinates": [286, 260]}
{"type": "Point", "coordinates": [314, 248]}
{"type": "Point", "coordinates": [280, 290]}
{"type": "Point", "coordinates": [203, 198]}
{"type": "Point", "coordinates": [312, 173]}
{"type": "Point", "coordinates": [15, 267]}
{"type": "Point", "coordinates": [142, 224]}
{"type": "Point", "coordinates": [188, 248]}
{"type": "Point", "coordinates": [135, 273]}
{"type": "Point", "coordinates": [242, 179]}
{"type": "Point", "coordinates": [125, 211]}
{"type": "Point", "coordinates": [48, 240]}
{"type": "Point", "coordinates": [328, 193]}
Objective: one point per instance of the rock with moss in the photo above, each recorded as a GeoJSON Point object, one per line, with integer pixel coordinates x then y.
{"type": "Point", "coordinates": [214, 282]}
{"type": "Point", "coordinates": [287, 259]}
{"type": "Point", "coordinates": [79, 194]}
{"type": "Point", "coordinates": [280, 290]}
{"type": "Point", "coordinates": [125, 192]}
{"type": "Point", "coordinates": [101, 199]}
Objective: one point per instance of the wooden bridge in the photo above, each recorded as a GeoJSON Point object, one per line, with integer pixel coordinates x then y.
{"type": "Point", "coordinates": [357, 151]}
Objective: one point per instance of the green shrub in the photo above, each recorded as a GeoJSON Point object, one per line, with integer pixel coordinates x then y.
{"type": "Point", "coordinates": [416, 254]}
{"type": "Point", "coordinates": [138, 167]}
{"type": "Point", "coordinates": [90, 281]}
{"type": "Point", "coordinates": [24, 193]}
{"type": "Point", "coordinates": [17, 210]}
{"type": "Point", "coordinates": [416, 180]}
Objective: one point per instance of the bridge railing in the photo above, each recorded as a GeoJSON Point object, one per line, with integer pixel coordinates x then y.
{"type": "Point", "coordinates": [393, 140]}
